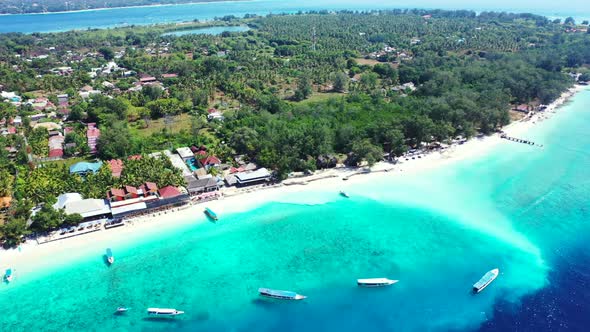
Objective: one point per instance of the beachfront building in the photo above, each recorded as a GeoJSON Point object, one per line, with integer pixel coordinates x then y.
{"type": "Point", "coordinates": [89, 209]}
{"type": "Point", "coordinates": [83, 168]}
{"type": "Point", "coordinates": [248, 178]}
{"type": "Point", "coordinates": [199, 186]}
{"type": "Point", "coordinates": [147, 198]}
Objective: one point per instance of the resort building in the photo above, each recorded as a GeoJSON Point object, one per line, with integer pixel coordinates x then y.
{"type": "Point", "coordinates": [248, 178]}
{"type": "Point", "coordinates": [83, 168]}
{"type": "Point", "coordinates": [198, 186]}
{"type": "Point", "coordinates": [178, 163]}
{"type": "Point", "coordinates": [89, 209]}
{"type": "Point", "coordinates": [185, 153]}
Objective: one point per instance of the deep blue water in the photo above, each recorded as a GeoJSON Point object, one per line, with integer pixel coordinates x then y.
{"type": "Point", "coordinates": [561, 306]}
{"type": "Point", "coordinates": [206, 11]}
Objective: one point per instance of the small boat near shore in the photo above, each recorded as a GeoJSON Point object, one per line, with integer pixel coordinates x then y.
{"type": "Point", "coordinates": [344, 194]}
{"type": "Point", "coordinates": [8, 275]}
{"type": "Point", "coordinates": [121, 310]}
{"type": "Point", "coordinates": [280, 294]}
{"type": "Point", "coordinates": [110, 257]}
{"type": "Point", "coordinates": [211, 214]}
{"type": "Point", "coordinates": [375, 282]}
{"type": "Point", "coordinates": [485, 280]}
{"type": "Point", "coordinates": [164, 312]}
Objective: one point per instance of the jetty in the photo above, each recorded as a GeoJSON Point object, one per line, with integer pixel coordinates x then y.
{"type": "Point", "coordinates": [520, 140]}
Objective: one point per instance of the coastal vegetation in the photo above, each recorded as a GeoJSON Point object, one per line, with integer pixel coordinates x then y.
{"type": "Point", "coordinates": [294, 93]}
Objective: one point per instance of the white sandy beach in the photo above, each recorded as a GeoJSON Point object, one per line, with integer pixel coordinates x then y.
{"type": "Point", "coordinates": [32, 255]}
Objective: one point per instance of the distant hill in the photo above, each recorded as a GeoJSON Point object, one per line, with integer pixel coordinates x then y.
{"type": "Point", "coordinates": [45, 6]}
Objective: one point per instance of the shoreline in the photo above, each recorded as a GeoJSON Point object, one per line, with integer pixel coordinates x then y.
{"type": "Point", "coordinates": [196, 2]}
{"type": "Point", "coordinates": [32, 256]}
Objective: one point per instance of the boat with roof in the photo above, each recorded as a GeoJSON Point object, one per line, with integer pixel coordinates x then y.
{"type": "Point", "coordinates": [485, 280]}
{"type": "Point", "coordinates": [280, 294]}
{"type": "Point", "coordinates": [164, 312]}
{"type": "Point", "coordinates": [375, 282]}
{"type": "Point", "coordinates": [211, 214]}
{"type": "Point", "coordinates": [8, 275]}
{"type": "Point", "coordinates": [110, 257]}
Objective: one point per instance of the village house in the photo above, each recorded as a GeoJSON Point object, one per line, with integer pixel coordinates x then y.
{"type": "Point", "coordinates": [523, 108]}
{"type": "Point", "coordinates": [56, 141]}
{"type": "Point", "coordinates": [116, 167]}
{"type": "Point", "coordinates": [92, 135]}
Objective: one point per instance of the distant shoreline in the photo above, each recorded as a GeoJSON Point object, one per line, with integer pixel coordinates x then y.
{"type": "Point", "coordinates": [196, 2]}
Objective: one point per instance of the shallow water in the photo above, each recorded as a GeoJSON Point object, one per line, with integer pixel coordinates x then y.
{"type": "Point", "coordinates": [519, 208]}
{"type": "Point", "coordinates": [53, 22]}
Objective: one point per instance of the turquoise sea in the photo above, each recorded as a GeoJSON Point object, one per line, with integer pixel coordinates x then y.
{"type": "Point", "coordinates": [522, 209]}
{"type": "Point", "coordinates": [52, 22]}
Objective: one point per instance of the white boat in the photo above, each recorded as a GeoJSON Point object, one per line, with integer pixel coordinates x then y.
{"type": "Point", "coordinates": [343, 193]}
{"type": "Point", "coordinates": [280, 294]}
{"type": "Point", "coordinates": [122, 309]}
{"type": "Point", "coordinates": [110, 257]}
{"type": "Point", "coordinates": [375, 282]}
{"type": "Point", "coordinates": [485, 280]}
{"type": "Point", "coordinates": [164, 312]}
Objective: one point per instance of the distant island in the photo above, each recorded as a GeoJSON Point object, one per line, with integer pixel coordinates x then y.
{"type": "Point", "coordinates": [51, 6]}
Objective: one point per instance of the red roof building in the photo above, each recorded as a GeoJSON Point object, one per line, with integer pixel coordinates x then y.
{"type": "Point", "coordinates": [12, 130]}
{"type": "Point", "coordinates": [92, 134]}
{"type": "Point", "coordinates": [169, 192]}
{"type": "Point", "coordinates": [56, 153]}
{"type": "Point", "coordinates": [115, 195]}
{"type": "Point", "coordinates": [131, 192]}
{"type": "Point", "coordinates": [116, 166]}
{"type": "Point", "coordinates": [209, 161]}
{"type": "Point", "coordinates": [149, 189]}
{"type": "Point", "coordinates": [134, 157]}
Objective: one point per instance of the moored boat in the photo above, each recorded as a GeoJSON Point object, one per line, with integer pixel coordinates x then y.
{"type": "Point", "coordinates": [375, 282]}
{"type": "Point", "coordinates": [344, 194]}
{"type": "Point", "coordinates": [280, 294]}
{"type": "Point", "coordinates": [211, 214]}
{"type": "Point", "coordinates": [110, 257]}
{"type": "Point", "coordinates": [164, 312]}
{"type": "Point", "coordinates": [122, 309]}
{"type": "Point", "coordinates": [485, 280]}
{"type": "Point", "coordinates": [8, 275]}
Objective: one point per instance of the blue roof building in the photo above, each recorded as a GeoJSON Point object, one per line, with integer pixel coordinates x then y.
{"type": "Point", "coordinates": [83, 167]}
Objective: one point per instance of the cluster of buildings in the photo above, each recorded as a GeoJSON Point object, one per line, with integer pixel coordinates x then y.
{"type": "Point", "coordinates": [118, 204]}
{"type": "Point", "coordinates": [8, 126]}
{"type": "Point", "coordinates": [388, 52]}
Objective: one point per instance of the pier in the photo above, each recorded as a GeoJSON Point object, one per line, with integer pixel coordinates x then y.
{"type": "Point", "coordinates": [520, 140]}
